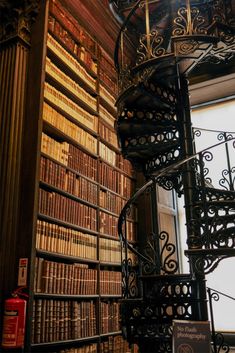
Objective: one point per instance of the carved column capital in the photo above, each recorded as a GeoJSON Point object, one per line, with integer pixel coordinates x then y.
{"type": "Point", "coordinates": [16, 19]}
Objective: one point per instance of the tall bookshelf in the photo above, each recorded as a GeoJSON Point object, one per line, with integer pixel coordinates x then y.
{"type": "Point", "coordinates": [83, 184]}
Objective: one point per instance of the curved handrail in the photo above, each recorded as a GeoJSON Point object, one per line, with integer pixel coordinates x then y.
{"type": "Point", "coordinates": [192, 27]}
{"type": "Point", "coordinates": [122, 29]}
{"type": "Point", "coordinates": [221, 293]}
{"type": "Point", "coordinates": [160, 174]}
{"type": "Point", "coordinates": [211, 130]}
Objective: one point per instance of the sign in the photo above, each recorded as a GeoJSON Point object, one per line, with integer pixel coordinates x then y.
{"type": "Point", "coordinates": [22, 273]}
{"type": "Point", "coordinates": [191, 336]}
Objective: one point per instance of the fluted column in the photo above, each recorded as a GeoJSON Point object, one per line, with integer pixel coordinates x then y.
{"type": "Point", "coordinates": [16, 21]}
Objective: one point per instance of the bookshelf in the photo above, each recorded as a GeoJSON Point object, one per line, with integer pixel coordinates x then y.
{"type": "Point", "coordinates": [83, 185]}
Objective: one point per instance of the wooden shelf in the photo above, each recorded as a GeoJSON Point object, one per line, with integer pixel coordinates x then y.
{"type": "Point", "coordinates": [67, 258]}
{"type": "Point", "coordinates": [64, 343]}
{"type": "Point", "coordinates": [65, 296]}
{"type": "Point", "coordinates": [66, 224]}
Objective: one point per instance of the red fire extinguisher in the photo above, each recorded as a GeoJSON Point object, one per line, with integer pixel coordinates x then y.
{"type": "Point", "coordinates": [14, 320]}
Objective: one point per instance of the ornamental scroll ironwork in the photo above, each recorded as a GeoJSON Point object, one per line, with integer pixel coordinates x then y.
{"type": "Point", "coordinates": [204, 265]}
{"type": "Point", "coordinates": [227, 182]}
{"type": "Point", "coordinates": [17, 18]}
{"type": "Point", "coordinates": [153, 50]}
{"type": "Point", "coordinates": [169, 264]}
{"type": "Point", "coordinates": [228, 175]}
{"type": "Point", "coordinates": [172, 182]}
{"type": "Point", "coordinates": [129, 279]}
{"type": "Point", "coordinates": [165, 262]}
{"type": "Point", "coordinates": [189, 21]}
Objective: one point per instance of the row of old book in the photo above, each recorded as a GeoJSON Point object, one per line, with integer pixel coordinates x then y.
{"type": "Point", "coordinates": [107, 64]}
{"type": "Point", "coordinates": [60, 278]}
{"type": "Point", "coordinates": [107, 72]}
{"type": "Point", "coordinates": [110, 251]}
{"type": "Point", "coordinates": [71, 156]}
{"type": "Point", "coordinates": [107, 116]}
{"type": "Point", "coordinates": [71, 61]}
{"type": "Point", "coordinates": [68, 155]}
{"type": "Point", "coordinates": [57, 239]}
{"type": "Point", "coordinates": [57, 175]}
{"type": "Point", "coordinates": [110, 282]}
{"type": "Point", "coordinates": [108, 224]}
{"type": "Point", "coordinates": [78, 114]}
{"type": "Point", "coordinates": [107, 154]}
{"type": "Point", "coordinates": [71, 211]}
{"type": "Point", "coordinates": [62, 30]}
{"type": "Point", "coordinates": [72, 86]}
{"type": "Point", "coordinates": [107, 96]}
{"type": "Point", "coordinates": [60, 320]}
{"type": "Point", "coordinates": [110, 317]}
{"type": "Point", "coordinates": [69, 128]}
{"type": "Point", "coordinates": [108, 134]}
{"type": "Point", "coordinates": [74, 279]}
{"type": "Point", "coordinates": [81, 136]}
{"type": "Point", "coordinates": [108, 80]}
{"type": "Point", "coordinates": [61, 240]}
{"type": "Point", "coordinates": [68, 106]}
{"type": "Point", "coordinates": [115, 180]}
{"type": "Point", "coordinates": [110, 201]}
{"type": "Point", "coordinates": [63, 102]}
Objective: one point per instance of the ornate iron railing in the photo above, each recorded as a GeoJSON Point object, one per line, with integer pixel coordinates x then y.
{"type": "Point", "coordinates": [214, 220]}
{"type": "Point", "coordinates": [157, 31]}
{"type": "Point", "coordinates": [227, 179]}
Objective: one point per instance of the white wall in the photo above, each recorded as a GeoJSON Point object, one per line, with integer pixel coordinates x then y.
{"type": "Point", "coordinates": [217, 117]}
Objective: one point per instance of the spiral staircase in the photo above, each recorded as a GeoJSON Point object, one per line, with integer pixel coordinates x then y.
{"type": "Point", "coordinates": [159, 45]}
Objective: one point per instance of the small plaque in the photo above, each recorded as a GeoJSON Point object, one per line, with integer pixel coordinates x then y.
{"type": "Point", "coordinates": [191, 336]}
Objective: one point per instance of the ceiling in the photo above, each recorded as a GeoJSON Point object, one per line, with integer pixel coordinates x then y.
{"type": "Point", "coordinates": [211, 90]}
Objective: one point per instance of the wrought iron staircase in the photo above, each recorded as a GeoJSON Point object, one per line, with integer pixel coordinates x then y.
{"type": "Point", "coordinates": [154, 293]}
{"type": "Point", "coordinates": [159, 45]}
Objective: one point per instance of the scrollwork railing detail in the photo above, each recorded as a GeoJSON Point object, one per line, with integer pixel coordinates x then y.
{"type": "Point", "coordinates": [129, 279]}
{"type": "Point", "coordinates": [169, 263]}
{"type": "Point", "coordinates": [154, 51]}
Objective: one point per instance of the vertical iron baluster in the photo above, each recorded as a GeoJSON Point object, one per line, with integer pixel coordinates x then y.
{"type": "Point", "coordinates": [213, 335]}
{"type": "Point", "coordinates": [147, 29]}
{"type": "Point", "coordinates": [189, 18]}
{"type": "Point", "coordinates": [231, 187]}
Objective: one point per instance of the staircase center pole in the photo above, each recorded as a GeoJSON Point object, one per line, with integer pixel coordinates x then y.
{"type": "Point", "coordinates": [184, 117]}
{"type": "Point", "coordinates": [189, 182]}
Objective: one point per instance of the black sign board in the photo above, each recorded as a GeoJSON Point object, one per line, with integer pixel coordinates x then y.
{"type": "Point", "coordinates": [191, 336]}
